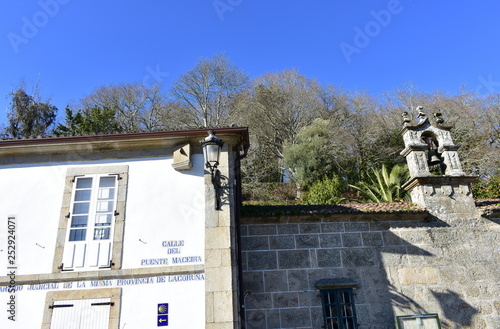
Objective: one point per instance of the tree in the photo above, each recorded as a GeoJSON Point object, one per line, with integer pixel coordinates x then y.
{"type": "Point", "coordinates": [3, 132]}
{"type": "Point", "coordinates": [276, 107]}
{"type": "Point", "coordinates": [29, 116]}
{"type": "Point", "coordinates": [492, 116]}
{"type": "Point", "coordinates": [314, 154]}
{"type": "Point", "coordinates": [487, 188]}
{"type": "Point", "coordinates": [88, 121]}
{"type": "Point", "coordinates": [136, 107]}
{"type": "Point", "coordinates": [385, 186]}
{"type": "Point", "coordinates": [335, 103]}
{"type": "Point", "coordinates": [361, 131]}
{"type": "Point", "coordinates": [207, 93]}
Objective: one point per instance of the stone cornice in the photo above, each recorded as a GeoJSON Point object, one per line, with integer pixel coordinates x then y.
{"type": "Point", "coordinates": [414, 147]}
{"type": "Point", "coordinates": [438, 180]}
{"type": "Point", "coordinates": [102, 275]}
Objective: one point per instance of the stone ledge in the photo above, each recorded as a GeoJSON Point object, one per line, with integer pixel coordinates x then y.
{"type": "Point", "coordinates": [379, 216]}
{"type": "Point", "coordinates": [100, 275]}
{"type": "Point", "coordinates": [336, 283]}
{"type": "Point", "coordinates": [438, 180]}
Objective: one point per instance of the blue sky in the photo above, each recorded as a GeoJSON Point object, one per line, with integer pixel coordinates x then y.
{"type": "Point", "coordinates": [377, 46]}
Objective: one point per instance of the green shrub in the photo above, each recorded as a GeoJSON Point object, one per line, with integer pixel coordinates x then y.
{"type": "Point", "coordinates": [326, 191]}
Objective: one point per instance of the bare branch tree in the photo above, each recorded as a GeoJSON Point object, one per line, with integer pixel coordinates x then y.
{"type": "Point", "coordinates": [206, 94]}
{"type": "Point", "coordinates": [276, 107]}
{"type": "Point", "coordinates": [137, 107]}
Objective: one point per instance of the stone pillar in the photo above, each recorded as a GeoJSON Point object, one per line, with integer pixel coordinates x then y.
{"type": "Point", "coordinates": [417, 160]}
{"type": "Point", "coordinates": [221, 268]}
{"type": "Point", "coordinates": [452, 163]}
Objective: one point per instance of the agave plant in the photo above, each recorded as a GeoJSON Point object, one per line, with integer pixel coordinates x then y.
{"type": "Point", "coordinates": [385, 186]}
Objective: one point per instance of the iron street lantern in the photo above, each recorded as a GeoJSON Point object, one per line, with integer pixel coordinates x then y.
{"type": "Point", "coordinates": [212, 145]}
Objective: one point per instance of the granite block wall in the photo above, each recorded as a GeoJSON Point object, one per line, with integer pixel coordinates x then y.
{"type": "Point", "coordinates": [400, 267]}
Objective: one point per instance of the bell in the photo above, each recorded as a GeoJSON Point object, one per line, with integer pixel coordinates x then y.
{"type": "Point", "coordinates": [433, 158]}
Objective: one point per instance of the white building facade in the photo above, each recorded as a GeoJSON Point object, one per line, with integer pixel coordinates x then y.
{"type": "Point", "coordinates": [119, 231]}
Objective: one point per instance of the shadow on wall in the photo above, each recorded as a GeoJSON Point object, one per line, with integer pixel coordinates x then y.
{"type": "Point", "coordinates": [284, 261]}
{"type": "Point", "coordinates": [454, 309]}
{"type": "Point", "coordinates": [404, 302]}
{"type": "Point", "coordinates": [389, 297]}
{"type": "Point", "coordinates": [456, 313]}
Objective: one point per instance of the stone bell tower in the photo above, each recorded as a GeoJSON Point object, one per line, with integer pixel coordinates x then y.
{"type": "Point", "coordinates": [437, 181]}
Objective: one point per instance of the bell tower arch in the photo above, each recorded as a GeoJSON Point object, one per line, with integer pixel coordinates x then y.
{"type": "Point", "coordinates": [437, 181]}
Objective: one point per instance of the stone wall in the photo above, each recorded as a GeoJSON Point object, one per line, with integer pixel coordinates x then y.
{"type": "Point", "coordinates": [401, 267]}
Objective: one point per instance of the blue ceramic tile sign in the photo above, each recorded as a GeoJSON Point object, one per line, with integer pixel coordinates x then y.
{"type": "Point", "coordinates": [162, 320]}
{"type": "Point", "coordinates": [163, 308]}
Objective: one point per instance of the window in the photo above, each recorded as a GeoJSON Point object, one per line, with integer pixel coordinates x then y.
{"type": "Point", "coordinates": [82, 309]}
{"type": "Point", "coordinates": [81, 314]}
{"type": "Point", "coordinates": [338, 308]}
{"type": "Point", "coordinates": [91, 222]}
{"type": "Point", "coordinates": [91, 227]}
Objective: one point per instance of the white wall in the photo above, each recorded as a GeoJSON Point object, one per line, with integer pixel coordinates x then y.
{"type": "Point", "coordinates": [162, 205]}
{"type": "Point", "coordinates": [34, 195]}
{"type": "Point", "coordinates": [139, 302]}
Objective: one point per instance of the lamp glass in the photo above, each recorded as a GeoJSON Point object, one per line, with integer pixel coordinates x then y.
{"type": "Point", "coordinates": [211, 153]}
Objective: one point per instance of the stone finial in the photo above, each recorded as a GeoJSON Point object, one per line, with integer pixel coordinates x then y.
{"type": "Point", "coordinates": [421, 114]}
{"type": "Point", "coordinates": [439, 118]}
{"type": "Point", "coordinates": [406, 118]}
{"type": "Point", "coordinates": [421, 117]}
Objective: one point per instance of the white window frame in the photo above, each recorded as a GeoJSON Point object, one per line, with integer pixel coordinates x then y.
{"type": "Point", "coordinates": [91, 255]}
{"type": "Point", "coordinates": [81, 313]}
{"type": "Point", "coordinates": [73, 309]}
